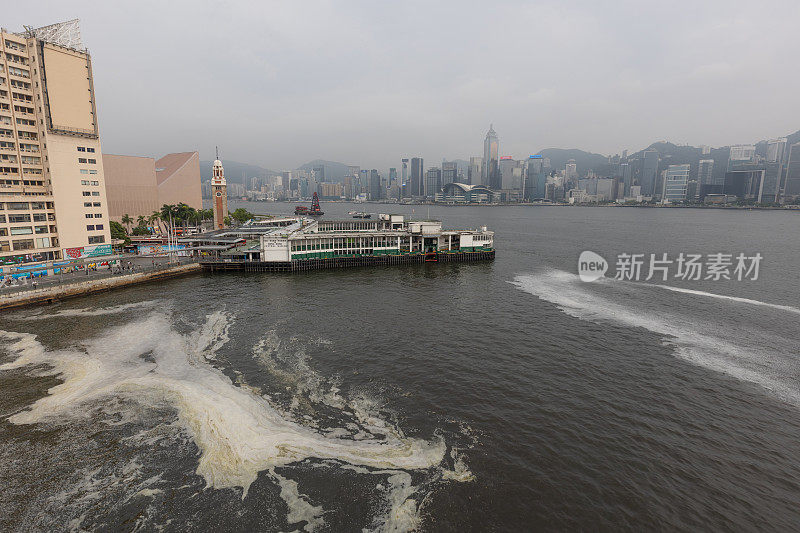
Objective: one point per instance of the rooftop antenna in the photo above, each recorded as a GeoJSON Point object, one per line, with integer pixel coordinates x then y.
{"type": "Point", "coordinates": [217, 147]}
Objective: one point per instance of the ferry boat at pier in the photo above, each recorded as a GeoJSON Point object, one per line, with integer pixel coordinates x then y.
{"type": "Point", "coordinates": [301, 243]}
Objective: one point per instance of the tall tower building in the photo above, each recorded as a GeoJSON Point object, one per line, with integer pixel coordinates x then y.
{"type": "Point", "coordinates": [416, 181]}
{"type": "Point", "coordinates": [219, 194]}
{"type": "Point", "coordinates": [649, 173]}
{"type": "Point", "coordinates": [54, 195]}
{"type": "Point", "coordinates": [491, 158]}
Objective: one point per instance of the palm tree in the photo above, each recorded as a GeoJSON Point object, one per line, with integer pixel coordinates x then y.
{"type": "Point", "coordinates": [141, 220]}
{"type": "Point", "coordinates": [127, 220]}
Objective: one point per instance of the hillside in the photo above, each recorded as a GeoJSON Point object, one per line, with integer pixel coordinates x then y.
{"type": "Point", "coordinates": [584, 160]}
{"type": "Point", "coordinates": [334, 171]}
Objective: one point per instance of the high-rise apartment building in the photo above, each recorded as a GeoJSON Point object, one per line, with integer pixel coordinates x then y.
{"type": "Point", "coordinates": [52, 193]}
{"type": "Point", "coordinates": [491, 159]}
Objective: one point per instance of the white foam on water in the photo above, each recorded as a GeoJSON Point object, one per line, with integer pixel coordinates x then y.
{"type": "Point", "coordinates": [289, 360]}
{"type": "Point", "coordinates": [779, 307]}
{"type": "Point", "coordinates": [238, 432]}
{"type": "Point", "coordinates": [86, 312]}
{"type": "Point", "coordinates": [733, 355]}
{"type": "Point", "coordinates": [300, 509]}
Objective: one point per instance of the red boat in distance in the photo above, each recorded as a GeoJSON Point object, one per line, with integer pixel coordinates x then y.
{"type": "Point", "coordinates": [315, 210]}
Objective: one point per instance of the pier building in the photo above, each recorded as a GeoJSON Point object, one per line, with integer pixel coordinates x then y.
{"type": "Point", "coordinates": [301, 243]}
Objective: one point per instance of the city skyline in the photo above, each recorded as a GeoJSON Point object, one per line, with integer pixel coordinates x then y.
{"type": "Point", "coordinates": [331, 82]}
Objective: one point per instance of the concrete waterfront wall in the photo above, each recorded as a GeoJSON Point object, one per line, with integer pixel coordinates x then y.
{"type": "Point", "coordinates": [52, 294]}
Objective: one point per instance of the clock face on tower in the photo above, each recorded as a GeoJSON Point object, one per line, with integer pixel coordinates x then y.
{"type": "Point", "coordinates": [219, 193]}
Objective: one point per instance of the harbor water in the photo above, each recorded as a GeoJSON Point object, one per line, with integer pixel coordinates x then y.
{"type": "Point", "coordinates": [505, 395]}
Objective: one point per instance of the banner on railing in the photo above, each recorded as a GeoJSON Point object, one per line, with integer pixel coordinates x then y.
{"type": "Point", "coordinates": [87, 251]}
{"type": "Point", "coordinates": [158, 249]}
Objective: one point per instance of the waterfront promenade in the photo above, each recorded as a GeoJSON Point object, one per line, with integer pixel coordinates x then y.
{"type": "Point", "coordinates": [61, 287]}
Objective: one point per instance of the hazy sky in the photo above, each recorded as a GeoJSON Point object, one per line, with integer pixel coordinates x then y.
{"type": "Point", "coordinates": [368, 82]}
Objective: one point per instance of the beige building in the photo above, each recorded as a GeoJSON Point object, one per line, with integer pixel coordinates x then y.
{"type": "Point", "coordinates": [52, 188]}
{"type": "Point", "coordinates": [140, 185]}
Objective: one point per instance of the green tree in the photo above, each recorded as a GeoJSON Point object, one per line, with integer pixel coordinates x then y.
{"type": "Point", "coordinates": [140, 230]}
{"type": "Point", "coordinates": [241, 215]}
{"type": "Point", "coordinates": [118, 232]}
{"type": "Point", "coordinates": [141, 220]}
{"type": "Point", "coordinates": [127, 220]}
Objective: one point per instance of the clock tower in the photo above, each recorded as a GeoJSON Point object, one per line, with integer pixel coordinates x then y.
{"type": "Point", "coordinates": [219, 194]}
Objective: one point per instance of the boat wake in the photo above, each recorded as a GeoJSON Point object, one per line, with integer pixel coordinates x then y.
{"type": "Point", "coordinates": [239, 431]}
{"type": "Point", "coordinates": [744, 352]}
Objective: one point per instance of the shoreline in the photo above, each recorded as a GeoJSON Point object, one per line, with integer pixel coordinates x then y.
{"type": "Point", "coordinates": [522, 204]}
{"type": "Point", "coordinates": [49, 295]}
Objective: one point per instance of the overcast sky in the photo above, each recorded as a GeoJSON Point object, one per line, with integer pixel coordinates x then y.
{"type": "Point", "coordinates": [368, 82]}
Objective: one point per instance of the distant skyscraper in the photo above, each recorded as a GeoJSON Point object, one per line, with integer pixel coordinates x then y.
{"type": "Point", "coordinates": [741, 153]}
{"type": "Point", "coordinates": [792, 188]}
{"type": "Point", "coordinates": [705, 179]}
{"type": "Point", "coordinates": [626, 175]}
{"type": "Point", "coordinates": [535, 178]}
{"type": "Point", "coordinates": [415, 183]}
{"type": "Point", "coordinates": [770, 190]}
{"type": "Point", "coordinates": [404, 171]}
{"type": "Point", "coordinates": [649, 170]}
{"type": "Point", "coordinates": [705, 172]}
{"type": "Point", "coordinates": [392, 176]}
{"type": "Point", "coordinates": [510, 173]}
{"type": "Point", "coordinates": [449, 172]}
{"type": "Point", "coordinates": [676, 181]}
{"type": "Point", "coordinates": [491, 157]}
{"type": "Point", "coordinates": [319, 173]}
{"type": "Point", "coordinates": [571, 170]}
{"type": "Point", "coordinates": [475, 171]}
{"type": "Point", "coordinates": [776, 149]}
{"type": "Point", "coordinates": [744, 183]}
{"type": "Point", "coordinates": [433, 182]}
{"type": "Point", "coordinates": [375, 189]}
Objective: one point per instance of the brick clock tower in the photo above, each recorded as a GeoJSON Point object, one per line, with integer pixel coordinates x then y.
{"type": "Point", "coordinates": [219, 194]}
